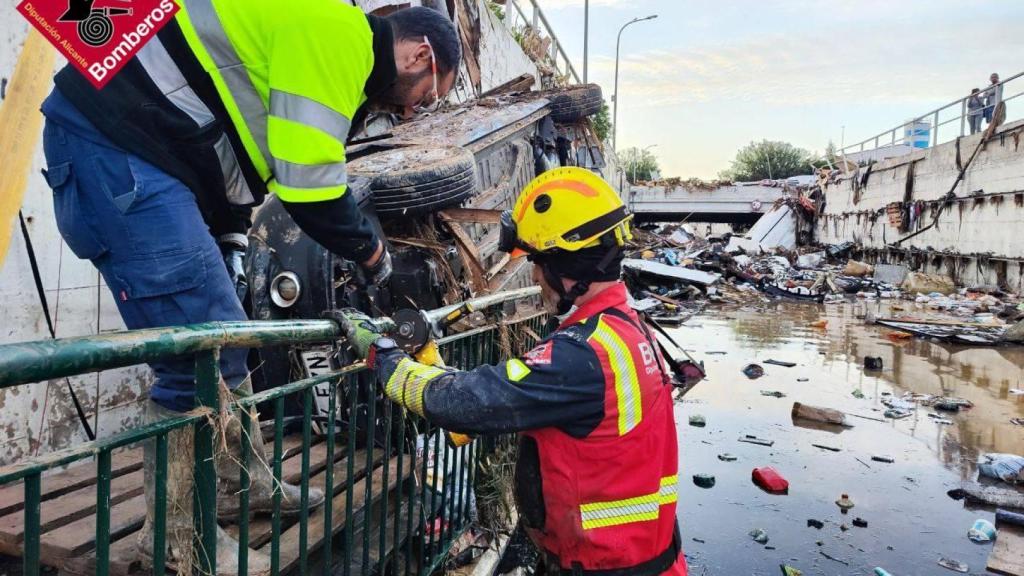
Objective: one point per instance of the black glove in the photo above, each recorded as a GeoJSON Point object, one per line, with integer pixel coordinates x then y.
{"type": "Point", "coordinates": [380, 272]}
{"type": "Point", "coordinates": [232, 248]}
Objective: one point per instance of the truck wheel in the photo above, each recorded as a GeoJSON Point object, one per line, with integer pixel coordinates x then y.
{"type": "Point", "coordinates": [575, 104]}
{"type": "Point", "coordinates": [418, 179]}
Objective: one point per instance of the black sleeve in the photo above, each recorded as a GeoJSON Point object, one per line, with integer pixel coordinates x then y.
{"type": "Point", "coordinates": [560, 383]}
{"type": "Point", "coordinates": [337, 225]}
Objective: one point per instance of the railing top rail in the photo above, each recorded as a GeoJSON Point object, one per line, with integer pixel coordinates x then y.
{"type": "Point", "coordinates": [929, 114]}
{"type": "Point", "coordinates": [551, 32]}
{"type": "Point", "coordinates": [25, 362]}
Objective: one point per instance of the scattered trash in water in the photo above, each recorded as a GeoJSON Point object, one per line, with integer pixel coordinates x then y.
{"type": "Point", "coordinates": [750, 439]}
{"type": "Point", "coordinates": [812, 523]}
{"type": "Point", "coordinates": [860, 522]}
{"type": "Point", "coordinates": [899, 336]}
{"type": "Point", "coordinates": [897, 413]}
{"type": "Point", "coordinates": [948, 406]}
{"type": "Point", "coordinates": [954, 565]}
{"type": "Point", "coordinates": [1017, 421]}
{"type": "Point", "coordinates": [774, 393]}
{"type": "Point", "coordinates": [1006, 467]}
{"type": "Point", "coordinates": [790, 571]}
{"type": "Point", "coordinates": [982, 531]}
{"type": "Point", "coordinates": [698, 420]}
{"type": "Point", "coordinates": [1007, 517]}
{"type": "Point", "coordinates": [940, 420]}
{"type": "Point", "coordinates": [782, 363]}
{"type": "Point", "coordinates": [824, 447]}
{"type": "Point", "coordinates": [844, 503]}
{"type": "Point", "coordinates": [699, 541]}
{"type": "Point", "coordinates": [886, 459]}
{"type": "Point", "coordinates": [753, 371]}
{"type": "Point", "coordinates": [769, 480]}
{"type": "Point", "coordinates": [803, 379]}
{"type": "Point", "coordinates": [716, 352]}
{"type": "Point", "coordinates": [704, 480]}
{"type": "Point", "coordinates": [881, 572]}
{"type": "Point", "coordinates": [759, 536]}
{"type": "Point", "coordinates": [726, 457]}
{"type": "Point", "coordinates": [818, 414]}
{"type": "Point", "coordinates": [857, 394]}
{"type": "Point", "coordinates": [820, 324]}
{"type": "Point", "coordinates": [872, 363]}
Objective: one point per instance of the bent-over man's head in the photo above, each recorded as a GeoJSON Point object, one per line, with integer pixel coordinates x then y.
{"type": "Point", "coordinates": [427, 54]}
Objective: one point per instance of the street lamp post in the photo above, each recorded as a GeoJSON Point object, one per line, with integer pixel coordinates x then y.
{"type": "Point", "coordinates": [615, 98]}
{"type": "Point", "coordinates": [637, 160]}
{"type": "Point", "coordinates": [586, 34]}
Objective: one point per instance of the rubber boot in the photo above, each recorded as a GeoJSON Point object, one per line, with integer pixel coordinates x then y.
{"type": "Point", "coordinates": [179, 528]}
{"type": "Point", "coordinates": [261, 476]}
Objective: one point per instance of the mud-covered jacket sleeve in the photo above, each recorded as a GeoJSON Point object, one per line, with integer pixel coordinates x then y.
{"type": "Point", "coordinates": [560, 383]}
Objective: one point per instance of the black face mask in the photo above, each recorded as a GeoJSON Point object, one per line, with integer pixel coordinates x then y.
{"type": "Point", "coordinates": [598, 264]}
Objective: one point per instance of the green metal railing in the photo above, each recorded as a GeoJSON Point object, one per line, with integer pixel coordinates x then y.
{"type": "Point", "coordinates": [432, 488]}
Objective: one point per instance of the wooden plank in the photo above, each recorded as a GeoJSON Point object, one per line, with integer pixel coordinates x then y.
{"type": "Point", "coordinates": [290, 538]}
{"type": "Point", "coordinates": [260, 528]}
{"type": "Point", "coordinates": [79, 537]}
{"type": "Point", "coordinates": [65, 510]}
{"type": "Point", "coordinates": [472, 215]}
{"type": "Point", "coordinates": [468, 253]}
{"type": "Point", "coordinates": [12, 496]}
{"type": "Point", "coordinates": [1007, 555]}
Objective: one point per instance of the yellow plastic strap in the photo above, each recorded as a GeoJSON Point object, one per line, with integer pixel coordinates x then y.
{"type": "Point", "coordinates": [408, 383]}
{"type": "Point", "coordinates": [638, 509]}
{"type": "Point", "coordinates": [627, 386]}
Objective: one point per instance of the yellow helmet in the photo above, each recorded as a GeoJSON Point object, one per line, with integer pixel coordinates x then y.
{"type": "Point", "coordinates": [567, 208]}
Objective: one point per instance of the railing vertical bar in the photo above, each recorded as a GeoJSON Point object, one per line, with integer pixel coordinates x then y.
{"type": "Point", "coordinates": [244, 483]}
{"type": "Point", "coordinates": [442, 447]}
{"type": "Point", "coordinates": [275, 522]}
{"type": "Point", "coordinates": [438, 439]}
{"type": "Point", "coordinates": [160, 507]}
{"type": "Point", "coordinates": [388, 407]}
{"type": "Point", "coordinates": [307, 437]}
{"type": "Point", "coordinates": [935, 129]}
{"type": "Point", "coordinates": [352, 392]}
{"type": "Point", "coordinates": [33, 494]}
{"type": "Point", "coordinates": [963, 115]}
{"type": "Point", "coordinates": [371, 429]}
{"type": "Point", "coordinates": [103, 513]}
{"type": "Point", "coordinates": [205, 498]}
{"type": "Point", "coordinates": [399, 488]}
{"type": "Point", "coordinates": [416, 494]}
{"type": "Point", "coordinates": [328, 541]}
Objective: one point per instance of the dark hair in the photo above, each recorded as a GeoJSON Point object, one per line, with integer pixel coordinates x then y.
{"type": "Point", "coordinates": [416, 22]}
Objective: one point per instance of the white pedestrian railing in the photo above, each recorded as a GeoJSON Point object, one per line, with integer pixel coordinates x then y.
{"type": "Point", "coordinates": [519, 22]}
{"type": "Point", "coordinates": [927, 129]}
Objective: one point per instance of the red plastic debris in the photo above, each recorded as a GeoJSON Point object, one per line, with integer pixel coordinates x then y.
{"type": "Point", "coordinates": [770, 480]}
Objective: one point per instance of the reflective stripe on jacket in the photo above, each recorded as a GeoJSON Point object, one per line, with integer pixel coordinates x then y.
{"type": "Point", "coordinates": [291, 81]}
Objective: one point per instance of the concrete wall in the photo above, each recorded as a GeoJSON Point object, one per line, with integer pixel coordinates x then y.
{"type": "Point", "coordinates": [977, 240]}
{"type": "Point", "coordinates": [39, 418]}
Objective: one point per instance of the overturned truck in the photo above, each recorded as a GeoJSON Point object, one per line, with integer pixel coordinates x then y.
{"type": "Point", "coordinates": [434, 188]}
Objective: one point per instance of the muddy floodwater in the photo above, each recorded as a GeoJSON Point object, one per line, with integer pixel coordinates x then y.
{"type": "Point", "coordinates": [911, 521]}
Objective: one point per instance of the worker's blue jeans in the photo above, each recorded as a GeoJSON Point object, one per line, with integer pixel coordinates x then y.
{"type": "Point", "coordinates": [143, 230]}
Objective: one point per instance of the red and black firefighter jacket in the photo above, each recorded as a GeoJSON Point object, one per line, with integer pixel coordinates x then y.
{"type": "Point", "coordinates": [597, 470]}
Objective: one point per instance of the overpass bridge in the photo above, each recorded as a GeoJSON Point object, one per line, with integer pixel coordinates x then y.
{"type": "Point", "coordinates": [740, 203]}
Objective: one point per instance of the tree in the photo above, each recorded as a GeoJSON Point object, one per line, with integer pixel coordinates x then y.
{"type": "Point", "coordinates": [602, 122]}
{"type": "Point", "coordinates": [640, 165]}
{"type": "Point", "coordinates": [767, 160]}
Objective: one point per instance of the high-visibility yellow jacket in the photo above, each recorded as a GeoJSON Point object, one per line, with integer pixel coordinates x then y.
{"type": "Point", "coordinates": [240, 98]}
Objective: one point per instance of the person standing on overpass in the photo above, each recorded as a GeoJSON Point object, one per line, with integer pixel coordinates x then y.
{"type": "Point", "coordinates": [154, 177]}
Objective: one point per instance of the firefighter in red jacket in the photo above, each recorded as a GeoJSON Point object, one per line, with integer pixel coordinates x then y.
{"type": "Point", "coordinates": [597, 470]}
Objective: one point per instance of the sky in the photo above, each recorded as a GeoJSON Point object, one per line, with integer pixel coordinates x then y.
{"type": "Point", "coordinates": [706, 78]}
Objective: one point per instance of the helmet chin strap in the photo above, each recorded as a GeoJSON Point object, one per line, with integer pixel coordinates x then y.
{"type": "Point", "coordinates": [566, 298]}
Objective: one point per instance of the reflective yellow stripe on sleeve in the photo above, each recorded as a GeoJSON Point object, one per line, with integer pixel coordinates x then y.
{"type": "Point", "coordinates": [627, 386]}
{"type": "Point", "coordinates": [408, 383]}
{"type": "Point", "coordinates": [638, 509]}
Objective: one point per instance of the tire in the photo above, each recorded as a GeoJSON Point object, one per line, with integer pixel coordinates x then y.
{"type": "Point", "coordinates": [418, 179]}
{"type": "Point", "coordinates": [575, 104]}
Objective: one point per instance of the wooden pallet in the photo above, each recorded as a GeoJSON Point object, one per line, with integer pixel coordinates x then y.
{"type": "Point", "coordinates": [67, 510]}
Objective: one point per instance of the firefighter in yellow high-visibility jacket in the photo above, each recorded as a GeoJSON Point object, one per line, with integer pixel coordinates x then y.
{"type": "Point", "coordinates": [154, 177]}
